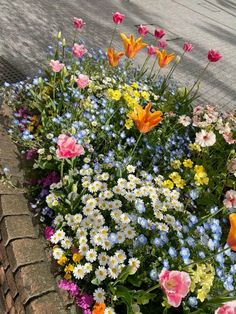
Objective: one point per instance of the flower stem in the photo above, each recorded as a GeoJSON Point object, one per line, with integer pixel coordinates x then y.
{"type": "Point", "coordinates": [154, 63]}
{"type": "Point", "coordinates": [112, 37]}
{"type": "Point", "coordinates": [62, 168]}
{"type": "Point", "coordinates": [153, 288]}
{"type": "Point", "coordinates": [54, 85]}
{"type": "Point", "coordinates": [199, 78]}
{"type": "Point", "coordinates": [143, 67]}
{"type": "Point", "coordinates": [135, 146]}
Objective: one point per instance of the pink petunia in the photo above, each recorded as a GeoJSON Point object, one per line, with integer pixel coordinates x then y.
{"type": "Point", "coordinates": [67, 147]}
{"type": "Point", "coordinates": [227, 308]}
{"type": "Point", "coordinates": [205, 139]}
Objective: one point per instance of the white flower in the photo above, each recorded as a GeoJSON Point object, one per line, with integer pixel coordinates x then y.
{"type": "Point", "coordinates": [120, 237]}
{"type": "Point", "coordinates": [87, 268]}
{"type": "Point", "coordinates": [107, 194]}
{"type": "Point", "coordinates": [184, 120]}
{"type": "Point", "coordinates": [81, 232]}
{"type": "Point", "coordinates": [83, 249]}
{"type": "Point", "coordinates": [85, 198]}
{"type": "Point", "coordinates": [54, 239]}
{"type": "Point", "coordinates": [77, 218]}
{"type": "Point", "coordinates": [125, 218]}
{"type": "Point", "coordinates": [99, 295]}
{"type": "Point", "coordinates": [105, 176]}
{"type": "Point", "coordinates": [88, 211]}
{"type": "Point", "coordinates": [113, 261]}
{"type": "Point", "coordinates": [205, 139]}
{"type": "Point", "coordinates": [59, 235]}
{"type": "Point", "coordinates": [109, 310]}
{"type": "Point", "coordinates": [57, 253]}
{"type": "Point", "coordinates": [98, 239]}
{"type": "Point", "coordinates": [83, 240]}
{"type": "Point", "coordinates": [91, 203]}
{"type": "Point", "coordinates": [114, 272]}
{"type": "Point", "coordinates": [58, 220]}
{"type": "Point", "coordinates": [91, 255]}
{"type": "Point", "coordinates": [101, 273]}
{"type": "Point", "coordinates": [134, 263]}
{"type": "Point", "coordinates": [130, 169]}
{"type": "Point", "coordinates": [66, 243]}
{"type": "Point", "coordinates": [78, 272]}
{"type": "Point", "coordinates": [102, 259]}
{"type": "Point", "coordinates": [129, 232]}
{"type": "Point", "coordinates": [121, 256]}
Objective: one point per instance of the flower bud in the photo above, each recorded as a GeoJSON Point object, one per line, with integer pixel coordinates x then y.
{"type": "Point", "coordinates": [59, 35]}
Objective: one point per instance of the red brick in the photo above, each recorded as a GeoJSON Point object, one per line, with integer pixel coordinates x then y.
{"type": "Point", "coordinates": [19, 306]}
{"type": "Point", "coordinates": [11, 282]}
{"type": "Point", "coordinates": [47, 304]}
{"type": "Point", "coordinates": [25, 251]}
{"type": "Point", "coordinates": [34, 280]}
{"type": "Point", "coordinates": [9, 301]}
{"type": "Point", "coordinates": [3, 255]}
{"type": "Point", "coordinates": [16, 227]}
{"type": "Point", "coordinates": [13, 205]}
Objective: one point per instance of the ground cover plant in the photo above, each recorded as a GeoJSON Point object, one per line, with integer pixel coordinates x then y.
{"type": "Point", "coordinates": [134, 184]}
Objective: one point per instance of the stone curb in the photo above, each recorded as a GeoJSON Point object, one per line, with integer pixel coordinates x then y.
{"type": "Point", "coordinates": [27, 285]}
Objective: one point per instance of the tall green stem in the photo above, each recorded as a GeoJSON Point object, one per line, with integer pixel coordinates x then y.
{"type": "Point", "coordinates": [62, 168]}
{"type": "Point", "coordinates": [113, 35]}
{"type": "Point", "coordinates": [154, 63]}
{"type": "Point", "coordinates": [199, 78]}
{"type": "Point", "coordinates": [153, 288]}
{"type": "Point", "coordinates": [135, 146]}
{"type": "Point", "coordinates": [54, 85]}
{"type": "Point", "coordinates": [143, 67]}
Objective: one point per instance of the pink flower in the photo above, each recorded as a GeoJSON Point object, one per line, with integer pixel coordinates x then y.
{"type": "Point", "coordinates": [159, 33]}
{"type": "Point", "coordinates": [48, 232]}
{"type": "Point", "coordinates": [229, 138]}
{"type": "Point", "coordinates": [117, 17]}
{"type": "Point", "coordinates": [82, 81]}
{"type": "Point", "coordinates": [78, 23]}
{"type": "Point", "coordinates": [230, 199]}
{"type": "Point", "coordinates": [30, 154]}
{"type": "Point", "coordinates": [152, 50]}
{"type": "Point", "coordinates": [227, 308]}
{"type": "Point", "coordinates": [231, 166]}
{"type": "Point", "coordinates": [184, 120]}
{"type": "Point", "coordinates": [175, 285]}
{"type": "Point", "coordinates": [78, 50]}
{"type": "Point", "coordinates": [67, 147]}
{"type": "Point", "coordinates": [187, 47]}
{"type": "Point", "coordinates": [143, 30]}
{"type": "Point", "coordinates": [214, 56]}
{"type": "Point", "coordinates": [56, 65]}
{"type": "Point", "coordinates": [162, 44]}
{"type": "Point", "coordinates": [205, 139]}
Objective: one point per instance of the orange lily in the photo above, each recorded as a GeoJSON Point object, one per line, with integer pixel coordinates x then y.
{"type": "Point", "coordinates": [131, 45]}
{"type": "Point", "coordinates": [231, 240]}
{"type": "Point", "coordinates": [113, 56]}
{"type": "Point", "coordinates": [164, 58]}
{"type": "Point", "coordinates": [144, 119]}
{"type": "Point", "coordinates": [98, 308]}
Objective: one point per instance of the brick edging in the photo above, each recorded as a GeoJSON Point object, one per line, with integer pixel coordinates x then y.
{"type": "Point", "coordinates": [26, 282]}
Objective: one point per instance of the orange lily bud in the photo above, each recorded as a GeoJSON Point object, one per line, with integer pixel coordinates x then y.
{"type": "Point", "coordinates": [164, 58]}
{"type": "Point", "coordinates": [113, 56]}
{"type": "Point", "coordinates": [144, 119]}
{"type": "Point", "coordinates": [98, 308]}
{"type": "Point", "coordinates": [131, 45]}
{"type": "Point", "coordinates": [231, 240]}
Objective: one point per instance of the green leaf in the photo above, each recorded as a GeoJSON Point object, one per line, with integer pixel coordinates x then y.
{"type": "Point", "coordinates": [143, 297]}
{"type": "Point", "coordinates": [126, 295]}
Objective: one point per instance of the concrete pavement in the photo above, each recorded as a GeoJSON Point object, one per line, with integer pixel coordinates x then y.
{"type": "Point", "coordinates": [27, 27]}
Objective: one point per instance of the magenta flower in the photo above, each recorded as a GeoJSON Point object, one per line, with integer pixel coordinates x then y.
{"type": "Point", "coordinates": [69, 286]}
{"type": "Point", "coordinates": [117, 17]}
{"type": "Point", "coordinates": [227, 308]}
{"type": "Point", "coordinates": [78, 23]}
{"type": "Point", "coordinates": [78, 50]}
{"type": "Point", "coordinates": [213, 55]}
{"type": "Point", "coordinates": [159, 33]}
{"type": "Point", "coordinates": [56, 65]}
{"type": "Point", "coordinates": [67, 147]}
{"type": "Point", "coordinates": [151, 50]}
{"type": "Point", "coordinates": [187, 47]}
{"type": "Point", "coordinates": [30, 153]}
{"type": "Point", "coordinates": [82, 81]}
{"type": "Point", "coordinates": [175, 284]}
{"type": "Point", "coordinates": [143, 30]}
{"type": "Point", "coordinates": [48, 232]}
{"type": "Point", "coordinates": [162, 44]}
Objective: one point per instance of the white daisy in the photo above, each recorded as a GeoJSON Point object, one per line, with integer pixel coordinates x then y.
{"type": "Point", "coordinates": [91, 255]}
{"type": "Point", "coordinates": [99, 295]}
{"type": "Point", "coordinates": [102, 259]}
{"type": "Point", "coordinates": [87, 268]}
{"type": "Point", "coordinates": [130, 169]}
{"type": "Point", "coordinates": [114, 272]}
{"type": "Point", "coordinates": [59, 235]}
{"type": "Point", "coordinates": [109, 310]}
{"type": "Point", "coordinates": [101, 273]}
{"type": "Point", "coordinates": [66, 243]}
{"type": "Point", "coordinates": [78, 272]}
{"type": "Point", "coordinates": [57, 253]}
{"type": "Point", "coordinates": [129, 232]}
{"type": "Point", "coordinates": [134, 263]}
{"type": "Point", "coordinates": [121, 256]}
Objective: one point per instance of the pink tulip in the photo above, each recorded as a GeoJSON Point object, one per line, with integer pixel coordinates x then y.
{"type": "Point", "coordinates": [78, 50]}
{"type": "Point", "coordinates": [159, 33]}
{"type": "Point", "coordinates": [78, 23]}
{"type": "Point", "coordinates": [67, 147]}
{"type": "Point", "coordinates": [56, 65]}
{"type": "Point", "coordinates": [143, 30]}
{"type": "Point", "coordinates": [187, 47]}
{"type": "Point", "coordinates": [230, 199]}
{"type": "Point", "coordinates": [117, 17]}
{"type": "Point", "coordinates": [162, 44]}
{"type": "Point", "coordinates": [175, 284]}
{"type": "Point", "coordinates": [227, 308]}
{"type": "Point", "coordinates": [151, 50]}
{"type": "Point", "coordinates": [82, 81]}
{"type": "Point", "coordinates": [214, 56]}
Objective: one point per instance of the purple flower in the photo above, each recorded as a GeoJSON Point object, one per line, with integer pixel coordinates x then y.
{"type": "Point", "coordinates": [48, 232]}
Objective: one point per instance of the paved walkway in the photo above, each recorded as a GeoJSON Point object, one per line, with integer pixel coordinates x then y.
{"type": "Point", "coordinates": [29, 26]}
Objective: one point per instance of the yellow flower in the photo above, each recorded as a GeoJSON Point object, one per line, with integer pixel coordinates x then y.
{"type": "Point", "coordinates": [174, 176]}
{"type": "Point", "coordinates": [113, 94]}
{"type": "Point", "coordinates": [77, 257]}
{"type": "Point", "coordinates": [129, 123]}
{"type": "Point", "coordinates": [163, 58]}
{"type": "Point", "coordinates": [188, 163]}
{"type": "Point", "coordinates": [62, 260]}
{"type": "Point", "coordinates": [67, 276]}
{"type": "Point", "coordinates": [168, 184]}
{"type": "Point", "coordinates": [145, 95]}
{"type": "Point", "coordinates": [195, 147]}
{"type": "Point", "coordinates": [69, 268]}
{"type": "Point", "coordinates": [200, 177]}
{"type": "Point", "coordinates": [176, 164]}
{"type": "Point", "coordinates": [180, 183]}
{"type": "Point", "coordinates": [199, 169]}
{"type": "Point", "coordinates": [132, 46]}
{"type": "Point", "coordinates": [134, 85]}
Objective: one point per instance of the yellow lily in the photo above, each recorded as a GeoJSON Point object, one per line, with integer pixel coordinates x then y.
{"type": "Point", "coordinates": [164, 58]}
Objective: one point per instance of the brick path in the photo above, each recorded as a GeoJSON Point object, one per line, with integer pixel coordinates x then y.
{"type": "Point", "coordinates": [27, 284]}
{"type": "Point", "coordinates": [28, 27]}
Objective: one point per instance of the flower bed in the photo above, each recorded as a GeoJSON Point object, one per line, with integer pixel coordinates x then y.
{"type": "Point", "coordinates": [134, 184]}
